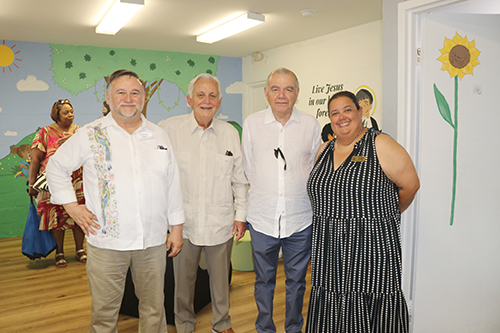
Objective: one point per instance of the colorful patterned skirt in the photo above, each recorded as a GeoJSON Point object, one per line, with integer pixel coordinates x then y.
{"type": "Point", "coordinates": [55, 216]}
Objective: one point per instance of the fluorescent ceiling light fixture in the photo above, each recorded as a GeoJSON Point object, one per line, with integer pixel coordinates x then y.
{"type": "Point", "coordinates": [231, 27]}
{"type": "Point", "coordinates": [119, 14]}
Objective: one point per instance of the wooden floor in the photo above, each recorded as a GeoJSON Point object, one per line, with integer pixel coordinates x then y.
{"type": "Point", "coordinates": [36, 296]}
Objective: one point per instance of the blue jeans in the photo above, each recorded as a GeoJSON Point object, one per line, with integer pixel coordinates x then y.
{"type": "Point", "coordinates": [296, 255]}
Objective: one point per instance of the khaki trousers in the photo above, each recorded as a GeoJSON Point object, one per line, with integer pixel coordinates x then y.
{"type": "Point", "coordinates": [107, 272]}
{"type": "Point", "coordinates": [218, 259]}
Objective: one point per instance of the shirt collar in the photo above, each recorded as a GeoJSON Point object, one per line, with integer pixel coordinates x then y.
{"type": "Point", "coordinates": [193, 125]}
{"type": "Point", "coordinates": [269, 116]}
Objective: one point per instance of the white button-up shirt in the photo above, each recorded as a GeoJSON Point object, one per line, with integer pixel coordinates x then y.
{"type": "Point", "coordinates": [278, 205]}
{"type": "Point", "coordinates": [130, 181]}
{"type": "Point", "coordinates": [212, 178]}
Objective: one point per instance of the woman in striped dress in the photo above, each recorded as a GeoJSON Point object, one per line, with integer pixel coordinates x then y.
{"type": "Point", "coordinates": [53, 217]}
{"type": "Point", "coordinates": [361, 183]}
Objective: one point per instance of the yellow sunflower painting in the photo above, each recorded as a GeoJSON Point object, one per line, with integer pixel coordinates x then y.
{"type": "Point", "coordinates": [459, 57]}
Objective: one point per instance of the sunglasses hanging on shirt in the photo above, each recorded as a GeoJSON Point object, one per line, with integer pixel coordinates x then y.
{"type": "Point", "coordinates": [277, 152]}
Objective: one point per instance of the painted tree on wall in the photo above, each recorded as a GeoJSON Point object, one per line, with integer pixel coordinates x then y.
{"type": "Point", "coordinates": [79, 68]}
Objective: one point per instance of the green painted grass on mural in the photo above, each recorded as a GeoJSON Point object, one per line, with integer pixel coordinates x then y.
{"type": "Point", "coordinates": [13, 196]}
{"type": "Point", "coordinates": [14, 208]}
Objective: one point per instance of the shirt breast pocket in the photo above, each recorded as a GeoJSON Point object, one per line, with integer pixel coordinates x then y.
{"type": "Point", "coordinates": [157, 161]}
{"type": "Point", "coordinates": [222, 179]}
{"type": "Point", "coordinates": [224, 165]}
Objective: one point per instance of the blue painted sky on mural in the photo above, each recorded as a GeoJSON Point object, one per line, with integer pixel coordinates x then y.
{"type": "Point", "coordinates": [22, 112]}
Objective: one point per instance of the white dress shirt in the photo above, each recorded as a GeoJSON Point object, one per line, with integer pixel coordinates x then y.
{"type": "Point", "coordinates": [212, 178]}
{"type": "Point", "coordinates": [278, 205]}
{"type": "Point", "coordinates": [130, 181]}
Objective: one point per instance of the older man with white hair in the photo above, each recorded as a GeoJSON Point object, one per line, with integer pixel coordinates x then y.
{"type": "Point", "coordinates": [279, 145]}
{"type": "Point", "coordinates": [213, 185]}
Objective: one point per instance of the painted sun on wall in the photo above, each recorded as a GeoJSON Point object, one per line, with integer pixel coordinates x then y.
{"type": "Point", "coordinates": [8, 57]}
{"type": "Point", "coordinates": [459, 57]}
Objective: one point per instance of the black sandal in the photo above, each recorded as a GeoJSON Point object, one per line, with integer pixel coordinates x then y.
{"type": "Point", "coordinates": [81, 257]}
{"type": "Point", "coordinates": [61, 263]}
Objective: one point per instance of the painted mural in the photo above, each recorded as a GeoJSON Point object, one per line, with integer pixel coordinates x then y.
{"type": "Point", "coordinates": [459, 57]}
{"type": "Point", "coordinates": [34, 75]}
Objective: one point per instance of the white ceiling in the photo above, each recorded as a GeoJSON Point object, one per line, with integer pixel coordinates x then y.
{"type": "Point", "coordinates": [172, 25]}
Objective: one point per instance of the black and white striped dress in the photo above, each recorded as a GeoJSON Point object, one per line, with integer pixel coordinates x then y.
{"type": "Point", "coordinates": [356, 245]}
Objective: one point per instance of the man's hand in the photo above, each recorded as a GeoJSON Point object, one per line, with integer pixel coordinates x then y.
{"type": "Point", "coordinates": [175, 240]}
{"type": "Point", "coordinates": [83, 217]}
{"type": "Point", "coordinates": [239, 229]}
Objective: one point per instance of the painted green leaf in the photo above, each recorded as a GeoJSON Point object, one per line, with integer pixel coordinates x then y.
{"type": "Point", "coordinates": [443, 106]}
{"type": "Point", "coordinates": [237, 126]}
{"type": "Point", "coordinates": [68, 62]}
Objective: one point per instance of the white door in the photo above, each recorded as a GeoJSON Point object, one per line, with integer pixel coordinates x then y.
{"type": "Point", "coordinates": [254, 100]}
{"type": "Point", "coordinates": [455, 268]}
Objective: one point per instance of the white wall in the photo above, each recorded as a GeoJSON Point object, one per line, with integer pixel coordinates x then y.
{"type": "Point", "coordinates": [351, 58]}
{"type": "Point", "coordinates": [390, 65]}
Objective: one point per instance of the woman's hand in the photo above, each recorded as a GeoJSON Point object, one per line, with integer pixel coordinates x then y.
{"type": "Point", "coordinates": [36, 158]}
{"type": "Point", "coordinates": [398, 166]}
{"type": "Point", "coordinates": [32, 192]}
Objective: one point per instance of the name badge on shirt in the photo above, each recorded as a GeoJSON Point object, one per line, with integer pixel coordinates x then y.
{"type": "Point", "coordinates": [145, 136]}
{"type": "Point", "coordinates": [358, 159]}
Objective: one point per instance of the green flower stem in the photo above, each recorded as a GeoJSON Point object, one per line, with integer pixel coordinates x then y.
{"type": "Point", "coordinates": [455, 144]}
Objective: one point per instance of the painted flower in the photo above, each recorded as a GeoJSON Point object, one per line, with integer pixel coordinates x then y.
{"type": "Point", "coordinates": [459, 56]}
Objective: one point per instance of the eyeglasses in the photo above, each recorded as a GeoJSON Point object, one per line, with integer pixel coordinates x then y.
{"type": "Point", "coordinates": [63, 101]}
{"type": "Point", "coordinates": [277, 152]}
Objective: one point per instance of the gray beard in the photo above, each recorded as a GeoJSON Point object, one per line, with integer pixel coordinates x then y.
{"type": "Point", "coordinates": [129, 115]}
